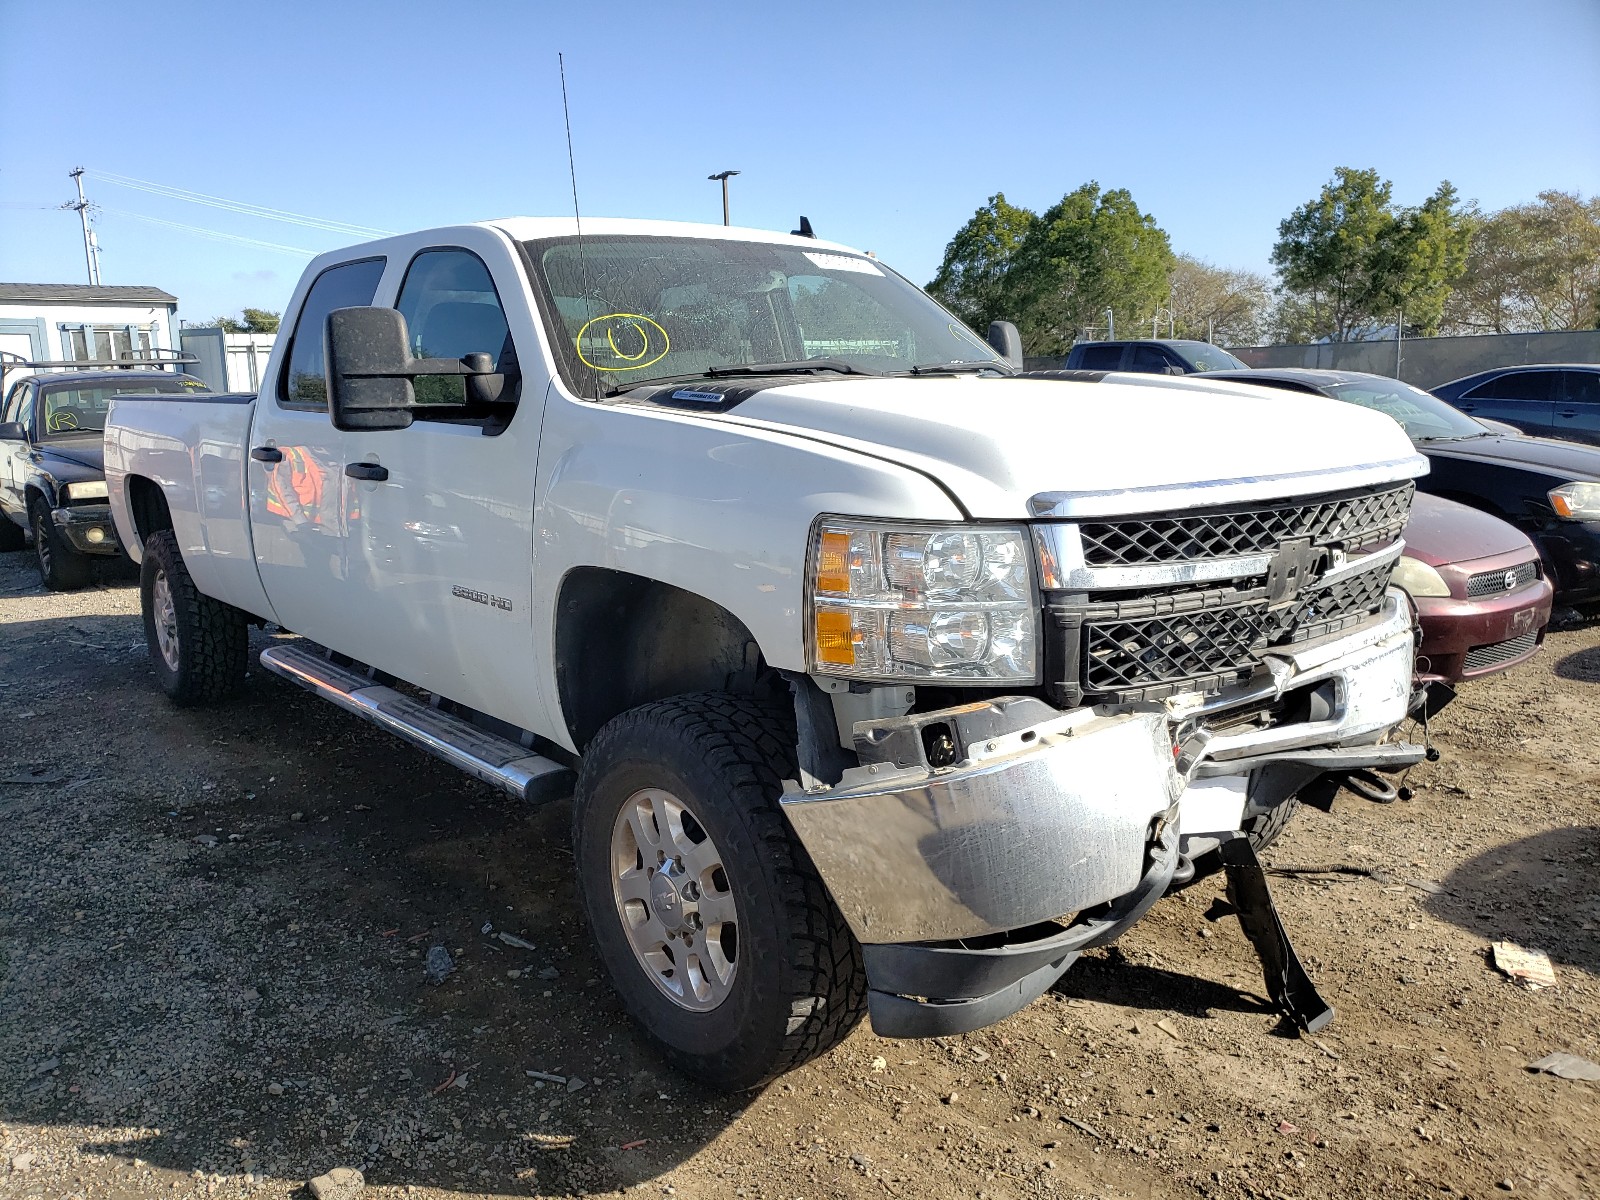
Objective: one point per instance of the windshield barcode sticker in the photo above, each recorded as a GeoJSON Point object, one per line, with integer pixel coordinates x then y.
{"type": "Point", "coordinates": [844, 262]}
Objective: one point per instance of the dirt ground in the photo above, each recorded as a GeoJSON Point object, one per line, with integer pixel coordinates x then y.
{"type": "Point", "coordinates": [212, 930]}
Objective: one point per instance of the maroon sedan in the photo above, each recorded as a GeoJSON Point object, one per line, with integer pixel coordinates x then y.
{"type": "Point", "coordinates": [1478, 587]}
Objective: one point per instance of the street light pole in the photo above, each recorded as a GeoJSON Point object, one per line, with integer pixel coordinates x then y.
{"type": "Point", "coordinates": [723, 175]}
{"type": "Point", "coordinates": [1111, 326]}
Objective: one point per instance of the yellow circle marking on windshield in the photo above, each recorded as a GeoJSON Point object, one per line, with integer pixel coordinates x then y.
{"type": "Point", "coordinates": [966, 335]}
{"type": "Point", "coordinates": [646, 330]}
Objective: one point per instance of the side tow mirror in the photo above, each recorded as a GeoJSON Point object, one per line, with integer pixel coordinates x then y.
{"type": "Point", "coordinates": [12, 431]}
{"type": "Point", "coordinates": [370, 370]}
{"type": "Point", "coordinates": [1005, 341]}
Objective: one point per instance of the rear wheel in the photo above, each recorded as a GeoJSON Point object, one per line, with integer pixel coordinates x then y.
{"type": "Point", "coordinates": [707, 912]}
{"type": "Point", "coordinates": [61, 567]}
{"type": "Point", "coordinates": [199, 647]}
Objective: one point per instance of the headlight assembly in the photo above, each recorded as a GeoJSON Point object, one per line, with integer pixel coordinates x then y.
{"type": "Point", "coordinates": [1576, 501]}
{"type": "Point", "coordinates": [953, 603]}
{"type": "Point", "coordinates": [92, 490]}
{"type": "Point", "coordinates": [1418, 578]}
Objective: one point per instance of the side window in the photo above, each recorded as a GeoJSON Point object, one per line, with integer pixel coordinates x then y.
{"type": "Point", "coordinates": [1153, 359]}
{"type": "Point", "coordinates": [1101, 358]}
{"type": "Point", "coordinates": [1583, 387]}
{"type": "Point", "coordinates": [1516, 385]}
{"type": "Point", "coordinates": [452, 310]}
{"type": "Point", "coordinates": [24, 403]}
{"type": "Point", "coordinates": [303, 384]}
{"type": "Point", "coordinates": [13, 403]}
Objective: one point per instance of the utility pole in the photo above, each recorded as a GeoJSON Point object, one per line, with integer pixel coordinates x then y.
{"type": "Point", "coordinates": [1399, 339]}
{"type": "Point", "coordinates": [1111, 326]}
{"type": "Point", "coordinates": [91, 249]}
{"type": "Point", "coordinates": [723, 175]}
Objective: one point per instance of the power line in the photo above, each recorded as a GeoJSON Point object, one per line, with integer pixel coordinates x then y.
{"type": "Point", "coordinates": [213, 234]}
{"type": "Point", "coordinates": [239, 206]}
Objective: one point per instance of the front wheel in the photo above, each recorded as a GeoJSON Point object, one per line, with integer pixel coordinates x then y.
{"type": "Point", "coordinates": [199, 647]}
{"type": "Point", "coordinates": [708, 914]}
{"type": "Point", "coordinates": [61, 568]}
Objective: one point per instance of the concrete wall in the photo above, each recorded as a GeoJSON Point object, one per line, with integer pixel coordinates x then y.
{"type": "Point", "coordinates": [1428, 362]}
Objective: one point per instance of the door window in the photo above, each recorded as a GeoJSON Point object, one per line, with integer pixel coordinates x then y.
{"type": "Point", "coordinates": [1101, 358]}
{"type": "Point", "coordinates": [1153, 360]}
{"type": "Point", "coordinates": [24, 409]}
{"type": "Point", "coordinates": [14, 403]}
{"type": "Point", "coordinates": [1516, 385]}
{"type": "Point", "coordinates": [452, 310]}
{"type": "Point", "coordinates": [303, 383]}
{"type": "Point", "coordinates": [1583, 387]}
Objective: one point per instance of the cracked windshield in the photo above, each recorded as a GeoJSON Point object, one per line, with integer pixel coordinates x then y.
{"type": "Point", "coordinates": [637, 310]}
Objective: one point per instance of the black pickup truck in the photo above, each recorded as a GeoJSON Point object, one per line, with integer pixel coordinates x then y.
{"type": "Point", "coordinates": [52, 465]}
{"type": "Point", "coordinates": [1164, 356]}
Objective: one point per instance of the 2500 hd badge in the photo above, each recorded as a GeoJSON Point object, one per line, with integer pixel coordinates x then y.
{"type": "Point", "coordinates": [477, 597]}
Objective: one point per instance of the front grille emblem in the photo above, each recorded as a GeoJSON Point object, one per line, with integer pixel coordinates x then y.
{"type": "Point", "coordinates": [1511, 580]}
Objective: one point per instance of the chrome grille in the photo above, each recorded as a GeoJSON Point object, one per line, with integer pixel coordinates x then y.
{"type": "Point", "coordinates": [1480, 658]}
{"type": "Point", "coordinates": [1493, 583]}
{"type": "Point", "coordinates": [1157, 651]}
{"type": "Point", "coordinates": [1369, 519]}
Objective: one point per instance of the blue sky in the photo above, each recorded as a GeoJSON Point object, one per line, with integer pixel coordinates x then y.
{"type": "Point", "coordinates": [887, 124]}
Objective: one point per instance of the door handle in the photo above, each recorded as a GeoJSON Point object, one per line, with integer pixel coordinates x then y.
{"type": "Point", "coordinates": [366, 470]}
{"type": "Point", "coordinates": [1567, 412]}
{"type": "Point", "coordinates": [267, 454]}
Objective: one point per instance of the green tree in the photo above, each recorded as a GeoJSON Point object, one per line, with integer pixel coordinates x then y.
{"type": "Point", "coordinates": [1531, 267]}
{"type": "Point", "coordinates": [1226, 306]}
{"type": "Point", "coordinates": [1090, 252]}
{"type": "Point", "coordinates": [972, 278]}
{"type": "Point", "coordinates": [255, 320]}
{"type": "Point", "coordinates": [1349, 260]}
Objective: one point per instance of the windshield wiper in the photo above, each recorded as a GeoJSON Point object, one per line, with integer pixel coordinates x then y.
{"type": "Point", "coordinates": [956, 368]}
{"type": "Point", "coordinates": [800, 366]}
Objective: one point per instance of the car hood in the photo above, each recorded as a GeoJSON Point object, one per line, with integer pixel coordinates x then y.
{"type": "Point", "coordinates": [1567, 459]}
{"type": "Point", "coordinates": [997, 444]}
{"type": "Point", "coordinates": [1441, 531]}
{"type": "Point", "coordinates": [80, 452]}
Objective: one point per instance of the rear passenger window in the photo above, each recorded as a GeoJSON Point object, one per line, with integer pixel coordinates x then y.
{"type": "Point", "coordinates": [303, 384]}
{"type": "Point", "coordinates": [452, 310]}
{"type": "Point", "coordinates": [1101, 358]}
{"type": "Point", "coordinates": [1518, 385]}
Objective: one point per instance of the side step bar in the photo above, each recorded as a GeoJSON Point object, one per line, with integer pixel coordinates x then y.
{"type": "Point", "coordinates": [496, 760]}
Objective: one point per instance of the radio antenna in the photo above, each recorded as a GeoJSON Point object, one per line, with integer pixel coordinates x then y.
{"type": "Point", "coordinates": [577, 217]}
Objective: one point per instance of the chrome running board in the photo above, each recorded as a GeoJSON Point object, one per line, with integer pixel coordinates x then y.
{"type": "Point", "coordinates": [511, 767]}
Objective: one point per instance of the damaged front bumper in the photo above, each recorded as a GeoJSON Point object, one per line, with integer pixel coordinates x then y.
{"type": "Point", "coordinates": [972, 887]}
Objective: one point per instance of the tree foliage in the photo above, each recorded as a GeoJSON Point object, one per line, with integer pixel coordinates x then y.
{"type": "Point", "coordinates": [1216, 304]}
{"type": "Point", "coordinates": [1351, 260]}
{"type": "Point", "coordinates": [1090, 252]}
{"type": "Point", "coordinates": [972, 278]}
{"type": "Point", "coordinates": [251, 320]}
{"type": "Point", "coordinates": [1531, 267]}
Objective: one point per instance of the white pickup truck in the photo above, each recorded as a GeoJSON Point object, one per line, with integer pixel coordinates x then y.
{"type": "Point", "coordinates": [892, 678]}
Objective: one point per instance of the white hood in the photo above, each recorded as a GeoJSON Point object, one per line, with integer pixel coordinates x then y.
{"type": "Point", "coordinates": [1017, 448]}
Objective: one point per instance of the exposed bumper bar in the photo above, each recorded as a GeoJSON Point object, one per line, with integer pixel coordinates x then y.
{"type": "Point", "coordinates": [1050, 817]}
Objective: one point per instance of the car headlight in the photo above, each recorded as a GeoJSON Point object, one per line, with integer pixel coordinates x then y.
{"type": "Point", "coordinates": [1576, 501]}
{"type": "Point", "coordinates": [953, 603]}
{"type": "Point", "coordinates": [92, 490]}
{"type": "Point", "coordinates": [1418, 578]}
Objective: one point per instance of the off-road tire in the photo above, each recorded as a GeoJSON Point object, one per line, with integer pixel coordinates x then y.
{"type": "Point", "coordinates": [12, 536]}
{"type": "Point", "coordinates": [62, 568]}
{"type": "Point", "coordinates": [212, 638]}
{"type": "Point", "coordinates": [799, 986]}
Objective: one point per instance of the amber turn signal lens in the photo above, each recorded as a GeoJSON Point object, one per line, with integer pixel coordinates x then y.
{"type": "Point", "coordinates": [1561, 504]}
{"type": "Point", "coordinates": [835, 638]}
{"type": "Point", "coordinates": [833, 562]}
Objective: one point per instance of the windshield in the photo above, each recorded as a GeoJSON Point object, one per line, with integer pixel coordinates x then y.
{"type": "Point", "coordinates": [626, 310]}
{"type": "Point", "coordinates": [1421, 415]}
{"type": "Point", "coordinates": [83, 409]}
{"type": "Point", "coordinates": [1207, 357]}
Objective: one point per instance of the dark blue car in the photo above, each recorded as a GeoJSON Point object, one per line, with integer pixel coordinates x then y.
{"type": "Point", "coordinates": [1557, 400]}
